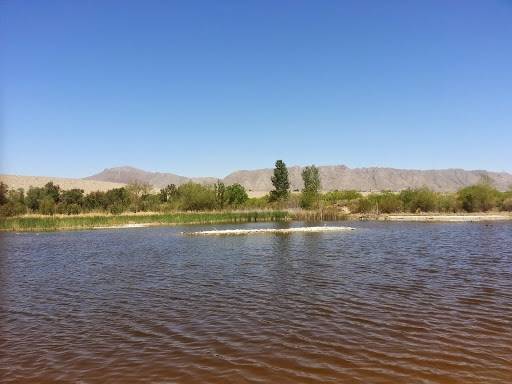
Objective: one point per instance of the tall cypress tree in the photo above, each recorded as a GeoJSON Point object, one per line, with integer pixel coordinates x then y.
{"type": "Point", "coordinates": [280, 182]}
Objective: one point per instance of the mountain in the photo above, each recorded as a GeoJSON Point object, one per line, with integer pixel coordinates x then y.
{"type": "Point", "coordinates": [332, 177]}
{"type": "Point", "coordinates": [128, 174]}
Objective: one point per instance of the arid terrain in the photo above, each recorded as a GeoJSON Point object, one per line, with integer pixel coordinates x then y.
{"type": "Point", "coordinates": [14, 181]}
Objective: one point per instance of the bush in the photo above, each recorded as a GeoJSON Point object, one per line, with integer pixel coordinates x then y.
{"type": "Point", "coordinates": [3, 193]}
{"type": "Point", "coordinates": [196, 197]}
{"type": "Point", "coordinates": [447, 203]}
{"type": "Point", "coordinates": [12, 208]}
{"type": "Point", "coordinates": [507, 204]}
{"type": "Point", "coordinates": [420, 199]}
{"type": "Point", "coordinates": [47, 206]}
{"type": "Point", "coordinates": [257, 202]}
{"type": "Point", "coordinates": [309, 200]}
{"type": "Point", "coordinates": [337, 197]}
{"type": "Point", "coordinates": [365, 205]}
{"type": "Point", "coordinates": [235, 195]}
{"type": "Point", "coordinates": [478, 198]}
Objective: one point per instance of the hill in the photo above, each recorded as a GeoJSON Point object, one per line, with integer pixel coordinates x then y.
{"type": "Point", "coordinates": [25, 182]}
{"type": "Point", "coordinates": [333, 177]}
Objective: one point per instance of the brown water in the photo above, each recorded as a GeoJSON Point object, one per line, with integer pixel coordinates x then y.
{"type": "Point", "coordinates": [386, 303]}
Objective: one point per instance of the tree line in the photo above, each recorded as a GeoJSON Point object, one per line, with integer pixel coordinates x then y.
{"type": "Point", "coordinates": [137, 197]}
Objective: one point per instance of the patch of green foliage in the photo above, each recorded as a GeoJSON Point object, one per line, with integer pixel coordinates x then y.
{"type": "Point", "coordinates": [280, 182]}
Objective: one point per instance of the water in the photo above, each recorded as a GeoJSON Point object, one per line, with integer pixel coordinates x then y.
{"type": "Point", "coordinates": [386, 303]}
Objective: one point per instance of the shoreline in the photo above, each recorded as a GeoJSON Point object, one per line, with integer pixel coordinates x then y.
{"type": "Point", "coordinates": [31, 223]}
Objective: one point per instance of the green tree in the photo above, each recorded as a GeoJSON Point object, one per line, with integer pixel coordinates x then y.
{"type": "Point", "coordinates": [310, 193]}
{"type": "Point", "coordinates": [168, 193]}
{"type": "Point", "coordinates": [138, 194]}
{"type": "Point", "coordinates": [280, 182]}
{"type": "Point", "coordinates": [117, 200]}
{"type": "Point", "coordinates": [52, 191]}
{"type": "Point", "coordinates": [14, 203]}
{"type": "Point", "coordinates": [71, 201]}
{"type": "Point", "coordinates": [47, 205]}
{"type": "Point", "coordinates": [220, 194]}
{"type": "Point", "coordinates": [3, 193]}
{"type": "Point", "coordinates": [236, 195]}
{"type": "Point", "coordinates": [95, 201]}
{"type": "Point", "coordinates": [33, 197]}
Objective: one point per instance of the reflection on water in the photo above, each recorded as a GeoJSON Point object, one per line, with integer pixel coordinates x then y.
{"type": "Point", "coordinates": [387, 303]}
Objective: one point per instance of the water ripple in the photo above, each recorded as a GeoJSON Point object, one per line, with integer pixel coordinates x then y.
{"type": "Point", "coordinates": [386, 303]}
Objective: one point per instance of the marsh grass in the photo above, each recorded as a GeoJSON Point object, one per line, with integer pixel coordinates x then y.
{"type": "Point", "coordinates": [52, 223]}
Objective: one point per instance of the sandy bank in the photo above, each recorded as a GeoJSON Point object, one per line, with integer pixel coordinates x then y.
{"type": "Point", "coordinates": [270, 230]}
{"type": "Point", "coordinates": [448, 218]}
{"type": "Point", "coordinates": [121, 226]}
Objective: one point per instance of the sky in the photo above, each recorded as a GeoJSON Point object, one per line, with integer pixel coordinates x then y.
{"type": "Point", "coordinates": [203, 88]}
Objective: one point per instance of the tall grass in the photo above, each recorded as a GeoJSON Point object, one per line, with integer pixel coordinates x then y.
{"type": "Point", "coordinates": [52, 223]}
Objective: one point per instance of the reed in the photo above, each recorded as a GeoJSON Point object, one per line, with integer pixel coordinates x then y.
{"type": "Point", "coordinates": [318, 215]}
{"type": "Point", "coordinates": [53, 223]}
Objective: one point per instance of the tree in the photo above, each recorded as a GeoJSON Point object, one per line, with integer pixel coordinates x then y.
{"type": "Point", "coordinates": [33, 197]}
{"type": "Point", "coordinates": [52, 191]}
{"type": "Point", "coordinates": [3, 193]}
{"type": "Point", "coordinates": [47, 206]}
{"type": "Point", "coordinates": [71, 201]}
{"type": "Point", "coordinates": [14, 203]}
{"type": "Point", "coordinates": [138, 193]}
{"type": "Point", "coordinates": [236, 195]}
{"type": "Point", "coordinates": [168, 193]}
{"type": "Point", "coordinates": [220, 192]}
{"type": "Point", "coordinates": [280, 182]}
{"type": "Point", "coordinates": [310, 192]}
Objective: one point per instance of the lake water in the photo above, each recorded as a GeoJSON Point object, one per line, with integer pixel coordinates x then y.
{"type": "Point", "coordinates": [386, 303]}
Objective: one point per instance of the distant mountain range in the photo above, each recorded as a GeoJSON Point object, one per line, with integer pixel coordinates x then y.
{"type": "Point", "coordinates": [332, 177]}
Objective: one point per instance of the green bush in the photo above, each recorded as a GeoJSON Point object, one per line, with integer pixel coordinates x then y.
{"type": "Point", "coordinates": [235, 195]}
{"type": "Point", "coordinates": [448, 203]}
{"type": "Point", "coordinates": [341, 197]}
{"type": "Point", "coordinates": [309, 200]}
{"type": "Point", "coordinates": [196, 197]}
{"type": "Point", "coordinates": [507, 204]}
{"type": "Point", "coordinates": [47, 206]}
{"type": "Point", "coordinates": [257, 202]}
{"type": "Point", "coordinates": [389, 202]}
{"type": "Point", "coordinates": [12, 208]}
{"type": "Point", "coordinates": [419, 200]}
{"type": "Point", "coordinates": [478, 198]}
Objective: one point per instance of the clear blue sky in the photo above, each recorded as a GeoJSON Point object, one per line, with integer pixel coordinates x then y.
{"type": "Point", "coordinates": [206, 87]}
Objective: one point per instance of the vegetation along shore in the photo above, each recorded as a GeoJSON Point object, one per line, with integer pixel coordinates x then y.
{"type": "Point", "coordinates": [52, 208]}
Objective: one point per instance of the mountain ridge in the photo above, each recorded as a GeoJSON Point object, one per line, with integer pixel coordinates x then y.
{"type": "Point", "coordinates": [332, 177]}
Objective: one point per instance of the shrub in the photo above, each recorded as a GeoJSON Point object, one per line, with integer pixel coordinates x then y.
{"type": "Point", "coordinates": [3, 193]}
{"type": "Point", "coordinates": [478, 198]}
{"type": "Point", "coordinates": [309, 200]}
{"type": "Point", "coordinates": [196, 197]}
{"type": "Point", "coordinates": [12, 208]}
{"type": "Point", "coordinates": [257, 202]}
{"type": "Point", "coordinates": [507, 204]}
{"type": "Point", "coordinates": [447, 203]}
{"type": "Point", "coordinates": [337, 197]}
{"type": "Point", "coordinates": [47, 206]}
{"type": "Point", "coordinates": [419, 200]}
{"type": "Point", "coordinates": [236, 195]}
